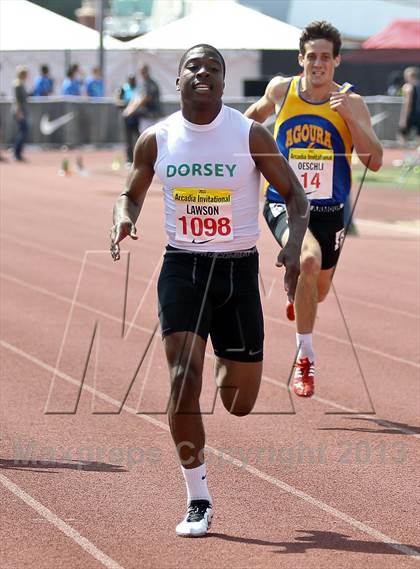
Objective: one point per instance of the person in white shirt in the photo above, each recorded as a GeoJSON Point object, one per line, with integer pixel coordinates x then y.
{"type": "Point", "coordinates": [209, 158]}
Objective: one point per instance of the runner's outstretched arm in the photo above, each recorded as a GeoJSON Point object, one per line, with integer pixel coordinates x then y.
{"type": "Point", "coordinates": [279, 174]}
{"type": "Point", "coordinates": [128, 205]}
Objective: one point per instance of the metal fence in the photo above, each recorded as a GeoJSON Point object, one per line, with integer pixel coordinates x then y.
{"type": "Point", "coordinates": [100, 123]}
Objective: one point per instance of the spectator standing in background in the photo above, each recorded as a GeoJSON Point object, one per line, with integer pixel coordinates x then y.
{"type": "Point", "coordinates": [20, 111]}
{"type": "Point", "coordinates": [150, 99]}
{"type": "Point", "coordinates": [2, 158]}
{"type": "Point", "coordinates": [410, 110]}
{"type": "Point", "coordinates": [395, 84]}
{"type": "Point", "coordinates": [95, 84]}
{"type": "Point", "coordinates": [72, 84]}
{"type": "Point", "coordinates": [44, 84]}
{"type": "Point", "coordinates": [126, 94]}
{"type": "Point", "coordinates": [147, 104]}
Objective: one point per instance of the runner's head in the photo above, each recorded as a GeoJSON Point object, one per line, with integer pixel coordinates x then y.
{"type": "Point", "coordinates": [201, 74]}
{"type": "Point", "coordinates": [319, 52]}
{"type": "Point", "coordinates": [144, 71]}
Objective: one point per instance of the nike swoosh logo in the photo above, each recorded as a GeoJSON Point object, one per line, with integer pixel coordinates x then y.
{"type": "Point", "coordinates": [254, 353]}
{"type": "Point", "coordinates": [47, 127]}
{"type": "Point", "coordinates": [201, 242]}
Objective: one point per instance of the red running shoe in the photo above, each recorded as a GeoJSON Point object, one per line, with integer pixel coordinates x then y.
{"type": "Point", "coordinates": [303, 381]}
{"type": "Point", "coordinates": [290, 310]}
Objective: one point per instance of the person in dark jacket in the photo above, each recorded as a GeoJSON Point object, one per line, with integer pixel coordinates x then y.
{"type": "Point", "coordinates": [20, 111]}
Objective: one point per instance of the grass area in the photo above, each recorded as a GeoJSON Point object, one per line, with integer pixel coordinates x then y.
{"type": "Point", "coordinates": [405, 177]}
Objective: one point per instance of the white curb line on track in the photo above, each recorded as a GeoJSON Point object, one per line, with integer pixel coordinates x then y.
{"type": "Point", "coordinates": [60, 524]}
{"type": "Point", "coordinates": [110, 269]}
{"type": "Point", "coordinates": [131, 324]}
{"type": "Point", "coordinates": [394, 544]}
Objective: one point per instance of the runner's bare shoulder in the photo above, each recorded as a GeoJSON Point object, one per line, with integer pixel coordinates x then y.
{"type": "Point", "coordinates": [276, 89]}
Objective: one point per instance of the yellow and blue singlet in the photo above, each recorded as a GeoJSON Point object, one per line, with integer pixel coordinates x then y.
{"type": "Point", "coordinates": [302, 124]}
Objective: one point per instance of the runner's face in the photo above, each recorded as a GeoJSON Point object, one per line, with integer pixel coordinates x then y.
{"type": "Point", "coordinates": [318, 62]}
{"type": "Point", "coordinates": [201, 77]}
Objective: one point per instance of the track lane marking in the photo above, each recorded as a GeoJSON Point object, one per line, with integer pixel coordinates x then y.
{"type": "Point", "coordinates": [75, 259]}
{"type": "Point", "coordinates": [347, 343]}
{"type": "Point", "coordinates": [60, 524]}
{"type": "Point", "coordinates": [72, 258]}
{"type": "Point", "coordinates": [376, 306]}
{"type": "Point", "coordinates": [406, 550]}
{"type": "Point", "coordinates": [382, 422]}
{"type": "Point", "coordinates": [68, 300]}
{"type": "Point", "coordinates": [270, 318]}
{"type": "Point", "coordinates": [266, 378]}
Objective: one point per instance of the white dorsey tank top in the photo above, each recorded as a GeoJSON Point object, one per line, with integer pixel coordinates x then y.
{"type": "Point", "coordinates": [210, 182]}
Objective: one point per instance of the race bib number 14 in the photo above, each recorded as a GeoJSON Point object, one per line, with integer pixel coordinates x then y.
{"type": "Point", "coordinates": [203, 215]}
{"type": "Point", "coordinates": [314, 170]}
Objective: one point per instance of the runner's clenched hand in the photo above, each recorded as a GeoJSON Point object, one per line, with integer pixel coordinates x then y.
{"type": "Point", "coordinates": [289, 257]}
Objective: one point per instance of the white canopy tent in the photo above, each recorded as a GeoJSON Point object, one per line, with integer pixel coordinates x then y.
{"type": "Point", "coordinates": [239, 32]}
{"type": "Point", "coordinates": [29, 27]}
{"type": "Point", "coordinates": [31, 35]}
{"type": "Point", "coordinates": [224, 24]}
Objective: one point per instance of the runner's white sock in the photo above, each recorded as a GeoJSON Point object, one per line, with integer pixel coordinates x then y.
{"type": "Point", "coordinates": [196, 482]}
{"type": "Point", "coordinates": [304, 343]}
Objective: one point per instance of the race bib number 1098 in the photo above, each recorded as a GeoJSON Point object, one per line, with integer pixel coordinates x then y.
{"type": "Point", "coordinates": [203, 215]}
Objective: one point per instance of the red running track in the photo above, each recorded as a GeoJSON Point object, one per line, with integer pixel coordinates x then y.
{"type": "Point", "coordinates": [86, 484]}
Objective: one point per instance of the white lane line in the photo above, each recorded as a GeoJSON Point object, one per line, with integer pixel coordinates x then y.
{"type": "Point", "coordinates": [73, 381]}
{"type": "Point", "coordinates": [110, 269]}
{"type": "Point", "coordinates": [370, 226]}
{"type": "Point", "coordinates": [60, 524]}
{"type": "Point", "coordinates": [67, 300]}
{"type": "Point", "coordinates": [149, 331]}
{"type": "Point", "coordinates": [251, 469]}
{"type": "Point", "coordinates": [43, 520]}
{"type": "Point", "coordinates": [346, 343]}
{"type": "Point", "coordinates": [379, 306]}
{"type": "Point", "coordinates": [73, 258]}
{"type": "Point", "coordinates": [322, 506]}
{"type": "Point", "coordinates": [378, 420]}
{"type": "Point", "coordinates": [270, 318]}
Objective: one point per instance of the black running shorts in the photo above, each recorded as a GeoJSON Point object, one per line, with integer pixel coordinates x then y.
{"type": "Point", "coordinates": [326, 224]}
{"type": "Point", "coordinates": [216, 294]}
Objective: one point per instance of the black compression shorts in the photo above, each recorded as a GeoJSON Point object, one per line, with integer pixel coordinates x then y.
{"type": "Point", "coordinates": [216, 294]}
{"type": "Point", "coordinates": [326, 224]}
